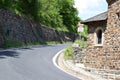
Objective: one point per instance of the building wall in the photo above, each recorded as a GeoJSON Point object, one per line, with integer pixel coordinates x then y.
{"type": "Point", "coordinates": [94, 56]}
{"type": "Point", "coordinates": [112, 36]}
{"type": "Point", "coordinates": [106, 56]}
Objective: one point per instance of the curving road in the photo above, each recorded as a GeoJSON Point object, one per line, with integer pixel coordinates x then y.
{"type": "Point", "coordinates": [33, 63]}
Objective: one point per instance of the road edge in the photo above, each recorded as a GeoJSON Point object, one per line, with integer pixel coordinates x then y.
{"type": "Point", "coordinates": [55, 60]}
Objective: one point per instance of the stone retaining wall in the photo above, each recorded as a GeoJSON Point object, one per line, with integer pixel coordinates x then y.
{"type": "Point", "coordinates": [20, 29]}
{"type": "Point", "coordinates": [16, 28]}
{"type": "Point", "coordinates": [53, 35]}
{"type": "Point", "coordinates": [78, 54]}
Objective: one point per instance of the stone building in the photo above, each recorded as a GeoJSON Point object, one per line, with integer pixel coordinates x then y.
{"type": "Point", "coordinates": [103, 51]}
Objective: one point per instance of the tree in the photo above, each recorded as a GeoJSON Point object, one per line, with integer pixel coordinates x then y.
{"type": "Point", "coordinates": [57, 14]}
{"type": "Point", "coordinates": [49, 13]}
{"type": "Point", "coordinates": [6, 3]}
{"type": "Point", "coordinates": [70, 15]}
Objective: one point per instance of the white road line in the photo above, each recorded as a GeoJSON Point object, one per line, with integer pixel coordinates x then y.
{"type": "Point", "coordinates": [55, 63]}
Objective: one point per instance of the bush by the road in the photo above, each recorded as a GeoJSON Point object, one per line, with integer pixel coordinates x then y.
{"type": "Point", "coordinates": [68, 53]}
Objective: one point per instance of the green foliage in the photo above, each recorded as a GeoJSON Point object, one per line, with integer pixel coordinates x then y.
{"type": "Point", "coordinates": [81, 43]}
{"type": "Point", "coordinates": [9, 44]}
{"type": "Point", "coordinates": [52, 42]}
{"type": "Point", "coordinates": [6, 3]}
{"type": "Point", "coordinates": [68, 53]}
{"type": "Point", "coordinates": [68, 42]}
{"type": "Point", "coordinates": [49, 14]}
{"type": "Point", "coordinates": [34, 43]}
{"type": "Point", "coordinates": [69, 15]}
{"type": "Point", "coordinates": [56, 42]}
{"type": "Point", "coordinates": [85, 33]}
{"type": "Point", "coordinates": [58, 14]}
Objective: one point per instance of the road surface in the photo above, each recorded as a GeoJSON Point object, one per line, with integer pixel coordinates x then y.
{"type": "Point", "coordinates": [33, 63]}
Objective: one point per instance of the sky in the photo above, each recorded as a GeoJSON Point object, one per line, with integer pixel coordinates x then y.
{"type": "Point", "coordinates": [90, 8]}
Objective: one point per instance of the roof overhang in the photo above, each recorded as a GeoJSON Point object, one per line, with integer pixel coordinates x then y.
{"type": "Point", "coordinates": [99, 17]}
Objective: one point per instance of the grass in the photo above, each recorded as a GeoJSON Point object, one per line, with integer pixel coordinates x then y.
{"type": "Point", "coordinates": [52, 42]}
{"type": "Point", "coordinates": [68, 53]}
{"type": "Point", "coordinates": [56, 42]}
{"type": "Point", "coordinates": [64, 29]}
{"type": "Point", "coordinates": [34, 43]}
{"type": "Point", "coordinates": [68, 42]}
{"type": "Point", "coordinates": [9, 44]}
{"type": "Point", "coordinates": [81, 43]}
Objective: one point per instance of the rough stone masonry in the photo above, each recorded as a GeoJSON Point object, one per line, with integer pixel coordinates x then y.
{"type": "Point", "coordinates": [112, 35]}
{"type": "Point", "coordinates": [15, 28]}
{"type": "Point", "coordinates": [106, 56]}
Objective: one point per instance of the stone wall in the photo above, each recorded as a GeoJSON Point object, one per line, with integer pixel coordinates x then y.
{"type": "Point", "coordinates": [16, 28]}
{"type": "Point", "coordinates": [92, 29]}
{"type": "Point", "coordinates": [1, 36]}
{"type": "Point", "coordinates": [106, 56]}
{"type": "Point", "coordinates": [48, 34]}
{"type": "Point", "coordinates": [78, 54]}
{"type": "Point", "coordinates": [112, 36]}
{"type": "Point", "coordinates": [20, 29]}
{"type": "Point", "coordinates": [94, 55]}
{"type": "Point", "coordinates": [91, 56]}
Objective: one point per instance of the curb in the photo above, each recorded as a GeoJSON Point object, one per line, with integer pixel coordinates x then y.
{"type": "Point", "coordinates": [71, 71]}
{"type": "Point", "coordinates": [55, 61]}
{"type": "Point", "coordinates": [76, 72]}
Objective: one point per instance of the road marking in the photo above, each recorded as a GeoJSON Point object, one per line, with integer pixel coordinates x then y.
{"type": "Point", "coordinates": [55, 58]}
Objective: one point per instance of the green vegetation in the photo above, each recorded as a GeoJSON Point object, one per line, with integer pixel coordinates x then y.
{"type": "Point", "coordinates": [68, 42]}
{"type": "Point", "coordinates": [85, 33]}
{"type": "Point", "coordinates": [52, 42]}
{"type": "Point", "coordinates": [69, 15]}
{"type": "Point", "coordinates": [57, 14]}
{"type": "Point", "coordinates": [68, 53]}
{"type": "Point", "coordinates": [81, 43]}
{"type": "Point", "coordinates": [9, 44]}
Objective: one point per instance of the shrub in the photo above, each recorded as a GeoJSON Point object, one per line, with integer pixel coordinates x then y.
{"type": "Point", "coordinates": [81, 43]}
{"type": "Point", "coordinates": [11, 44]}
{"type": "Point", "coordinates": [68, 53]}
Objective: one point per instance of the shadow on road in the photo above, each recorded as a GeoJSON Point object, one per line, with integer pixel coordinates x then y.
{"type": "Point", "coordinates": [4, 54]}
{"type": "Point", "coordinates": [13, 53]}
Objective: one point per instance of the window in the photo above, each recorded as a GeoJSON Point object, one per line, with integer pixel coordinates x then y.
{"type": "Point", "coordinates": [98, 37]}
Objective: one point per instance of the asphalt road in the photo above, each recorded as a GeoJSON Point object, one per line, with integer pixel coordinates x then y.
{"type": "Point", "coordinates": [33, 63]}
